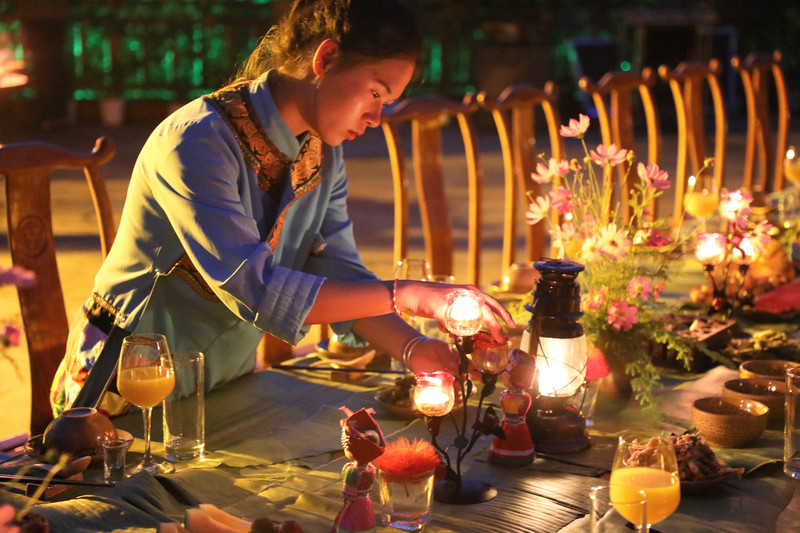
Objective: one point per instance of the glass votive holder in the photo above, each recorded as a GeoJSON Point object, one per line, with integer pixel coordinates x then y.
{"type": "Point", "coordinates": [618, 508]}
{"type": "Point", "coordinates": [406, 501]}
{"type": "Point", "coordinates": [114, 449]}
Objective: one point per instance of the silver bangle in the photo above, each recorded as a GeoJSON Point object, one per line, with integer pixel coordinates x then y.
{"type": "Point", "coordinates": [409, 345]}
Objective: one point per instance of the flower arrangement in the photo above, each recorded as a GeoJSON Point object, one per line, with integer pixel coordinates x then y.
{"type": "Point", "coordinates": [626, 250]}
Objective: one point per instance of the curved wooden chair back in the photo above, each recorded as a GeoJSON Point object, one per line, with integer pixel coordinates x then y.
{"type": "Point", "coordinates": [755, 71]}
{"type": "Point", "coordinates": [426, 115]}
{"type": "Point", "coordinates": [27, 168]}
{"type": "Point", "coordinates": [687, 81]}
{"type": "Point", "coordinates": [613, 97]}
{"type": "Point", "coordinates": [514, 113]}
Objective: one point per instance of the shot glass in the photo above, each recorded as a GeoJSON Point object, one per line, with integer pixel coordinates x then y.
{"type": "Point", "coordinates": [184, 409]}
{"type": "Point", "coordinates": [114, 449]}
{"type": "Point", "coordinates": [618, 508]}
{"type": "Point", "coordinates": [406, 501]}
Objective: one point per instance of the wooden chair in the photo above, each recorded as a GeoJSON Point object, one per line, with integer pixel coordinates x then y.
{"type": "Point", "coordinates": [755, 71]}
{"type": "Point", "coordinates": [426, 115]}
{"type": "Point", "coordinates": [27, 168]}
{"type": "Point", "coordinates": [613, 99]}
{"type": "Point", "coordinates": [687, 82]}
{"type": "Point", "coordinates": [514, 112]}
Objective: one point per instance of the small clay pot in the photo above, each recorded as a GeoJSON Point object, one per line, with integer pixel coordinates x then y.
{"type": "Point", "coordinates": [79, 431]}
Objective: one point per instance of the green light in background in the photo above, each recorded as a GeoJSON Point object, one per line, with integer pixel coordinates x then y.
{"type": "Point", "coordinates": [77, 49]}
{"type": "Point", "coordinates": [625, 66]}
{"type": "Point", "coordinates": [435, 66]}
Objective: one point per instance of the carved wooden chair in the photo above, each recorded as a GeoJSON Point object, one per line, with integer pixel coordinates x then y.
{"type": "Point", "coordinates": [613, 97]}
{"type": "Point", "coordinates": [769, 145]}
{"type": "Point", "coordinates": [26, 168]}
{"type": "Point", "coordinates": [687, 82]}
{"type": "Point", "coordinates": [514, 113]}
{"type": "Point", "coordinates": [426, 115]}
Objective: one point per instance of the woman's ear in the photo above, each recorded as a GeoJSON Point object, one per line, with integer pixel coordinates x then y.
{"type": "Point", "coordinates": [324, 57]}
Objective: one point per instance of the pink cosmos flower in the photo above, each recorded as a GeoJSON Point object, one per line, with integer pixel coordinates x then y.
{"type": "Point", "coordinates": [640, 286]}
{"type": "Point", "coordinates": [16, 275]}
{"type": "Point", "coordinates": [613, 242]}
{"type": "Point", "coordinates": [622, 316]}
{"type": "Point", "coordinates": [654, 238]}
{"type": "Point", "coordinates": [561, 235]}
{"type": "Point", "coordinates": [576, 128]}
{"type": "Point", "coordinates": [561, 200]}
{"type": "Point", "coordinates": [735, 206]}
{"type": "Point", "coordinates": [609, 157]}
{"type": "Point", "coordinates": [595, 299]}
{"type": "Point", "coordinates": [10, 335]}
{"type": "Point", "coordinates": [537, 210]}
{"type": "Point", "coordinates": [7, 513]}
{"type": "Point", "coordinates": [760, 235]}
{"type": "Point", "coordinates": [658, 289]}
{"type": "Point", "coordinates": [653, 176]}
{"type": "Point", "coordinates": [554, 168]}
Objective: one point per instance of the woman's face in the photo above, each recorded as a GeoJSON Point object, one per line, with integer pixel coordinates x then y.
{"type": "Point", "coordinates": [350, 100]}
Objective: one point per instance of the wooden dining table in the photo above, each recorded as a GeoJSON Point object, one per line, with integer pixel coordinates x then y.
{"type": "Point", "coordinates": [273, 449]}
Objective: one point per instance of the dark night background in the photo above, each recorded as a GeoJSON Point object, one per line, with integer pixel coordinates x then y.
{"type": "Point", "coordinates": [156, 52]}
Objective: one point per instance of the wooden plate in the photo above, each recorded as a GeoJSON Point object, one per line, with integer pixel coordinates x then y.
{"type": "Point", "coordinates": [35, 449]}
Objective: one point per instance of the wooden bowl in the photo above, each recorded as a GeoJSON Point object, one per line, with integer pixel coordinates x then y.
{"type": "Point", "coordinates": [767, 391]}
{"type": "Point", "coordinates": [774, 369]}
{"type": "Point", "coordinates": [729, 422]}
{"type": "Point", "coordinates": [78, 431]}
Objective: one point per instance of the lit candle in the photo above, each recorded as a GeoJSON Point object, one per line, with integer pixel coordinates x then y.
{"type": "Point", "coordinates": [745, 253]}
{"type": "Point", "coordinates": [489, 356]}
{"type": "Point", "coordinates": [463, 316]}
{"type": "Point", "coordinates": [561, 365]}
{"type": "Point", "coordinates": [710, 248]}
{"type": "Point", "coordinates": [433, 393]}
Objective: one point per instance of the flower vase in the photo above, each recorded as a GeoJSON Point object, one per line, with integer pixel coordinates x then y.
{"type": "Point", "coordinates": [617, 382]}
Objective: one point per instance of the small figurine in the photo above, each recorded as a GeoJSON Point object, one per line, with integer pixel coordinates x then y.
{"type": "Point", "coordinates": [363, 442]}
{"type": "Point", "coordinates": [517, 447]}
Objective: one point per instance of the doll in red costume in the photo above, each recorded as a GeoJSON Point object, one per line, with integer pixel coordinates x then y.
{"type": "Point", "coordinates": [363, 442]}
{"type": "Point", "coordinates": [517, 447]}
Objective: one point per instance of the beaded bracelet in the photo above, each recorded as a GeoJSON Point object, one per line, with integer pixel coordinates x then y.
{"type": "Point", "coordinates": [409, 346]}
{"type": "Point", "coordinates": [394, 297]}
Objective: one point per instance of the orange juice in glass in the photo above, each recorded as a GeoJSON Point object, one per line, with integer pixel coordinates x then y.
{"type": "Point", "coordinates": [702, 198]}
{"type": "Point", "coordinates": [648, 464]}
{"type": "Point", "coordinates": [145, 386]}
{"type": "Point", "coordinates": [662, 488]}
{"type": "Point", "coordinates": [145, 376]}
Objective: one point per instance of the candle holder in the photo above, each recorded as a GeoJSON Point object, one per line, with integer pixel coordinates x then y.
{"type": "Point", "coordinates": [558, 341]}
{"type": "Point", "coordinates": [711, 251]}
{"type": "Point", "coordinates": [463, 319]}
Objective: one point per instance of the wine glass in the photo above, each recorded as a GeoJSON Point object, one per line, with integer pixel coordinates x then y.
{"type": "Point", "coordinates": [701, 199]}
{"type": "Point", "coordinates": [145, 377]}
{"type": "Point", "coordinates": [648, 464]}
{"type": "Point", "coordinates": [791, 169]}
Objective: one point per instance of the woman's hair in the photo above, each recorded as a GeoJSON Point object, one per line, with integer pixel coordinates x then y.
{"type": "Point", "coordinates": [365, 30]}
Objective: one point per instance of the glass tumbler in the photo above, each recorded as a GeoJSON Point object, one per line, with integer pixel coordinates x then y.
{"type": "Point", "coordinates": [406, 501]}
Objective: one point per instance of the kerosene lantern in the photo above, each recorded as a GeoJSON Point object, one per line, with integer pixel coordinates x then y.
{"type": "Point", "coordinates": [556, 336]}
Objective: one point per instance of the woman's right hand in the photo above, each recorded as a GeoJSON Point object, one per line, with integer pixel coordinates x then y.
{"type": "Point", "coordinates": [428, 299]}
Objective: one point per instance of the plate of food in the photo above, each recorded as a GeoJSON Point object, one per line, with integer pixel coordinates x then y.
{"type": "Point", "coordinates": [399, 399]}
{"type": "Point", "coordinates": [698, 466]}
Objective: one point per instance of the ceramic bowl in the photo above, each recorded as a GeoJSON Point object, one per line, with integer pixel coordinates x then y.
{"type": "Point", "coordinates": [729, 422]}
{"type": "Point", "coordinates": [766, 368]}
{"type": "Point", "coordinates": [767, 391]}
{"type": "Point", "coordinates": [78, 431]}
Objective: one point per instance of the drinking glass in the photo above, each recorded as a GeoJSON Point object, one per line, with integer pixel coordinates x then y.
{"type": "Point", "coordinates": [144, 378]}
{"type": "Point", "coordinates": [617, 509]}
{"type": "Point", "coordinates": [791, 169]}
{"type": "Point", "coordinates": [648, 464]}
{"type": "Point", "coordinates": [410, 268]}
{"type": "Point", "coordinates": [701, 199]}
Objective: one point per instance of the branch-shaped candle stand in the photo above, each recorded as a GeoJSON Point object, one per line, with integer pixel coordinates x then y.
{"type": "Point", "coordinates": [435, 397]}
{"type": "Point", "coordinates": [712, 250]}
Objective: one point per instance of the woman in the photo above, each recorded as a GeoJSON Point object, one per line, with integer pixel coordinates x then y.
{"type": "Point", "coordinates": [235, 222]}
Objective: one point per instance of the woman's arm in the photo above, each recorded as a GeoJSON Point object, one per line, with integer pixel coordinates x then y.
{"type": "Point", "coordinates": [340, 301]}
